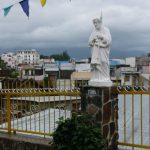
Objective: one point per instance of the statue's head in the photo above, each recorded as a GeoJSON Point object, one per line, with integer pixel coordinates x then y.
{"type": "Point", "coordinates": [98, 22]}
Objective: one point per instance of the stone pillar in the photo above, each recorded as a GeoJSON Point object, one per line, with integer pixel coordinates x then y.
{"type": "Point", "coordinates": [102, 103]}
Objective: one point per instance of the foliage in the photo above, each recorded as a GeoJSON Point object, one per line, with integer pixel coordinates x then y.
{"type": "Point", "coordinates": [64, 56]}
{"type": "Point", "coordinates": [2, 63]}
{"type": "Point", "coordinates": [44, 57]}
{"type": "Point", "coordinates": [45, 84]}
{"type": "Point", "coordinates": [14, 74]}
{"type": "Point", "coordinates": [78, 133]}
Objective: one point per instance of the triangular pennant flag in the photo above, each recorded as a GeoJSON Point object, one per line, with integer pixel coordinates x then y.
{"type": "Point", "coordinates": [25, 6]}
{"type": "Point", "coordinates": [7, 3]}
{"type": "Point", "coordinates": [6, 11]}
{"type": "Point", "coordinates": [43, 2]}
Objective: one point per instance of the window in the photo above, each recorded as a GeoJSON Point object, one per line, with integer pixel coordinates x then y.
{"type": "Point", "coordinates": [127, 78]}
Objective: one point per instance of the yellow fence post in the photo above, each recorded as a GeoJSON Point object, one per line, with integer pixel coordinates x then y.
{"type": "Point", "coordinates": [8, 114]}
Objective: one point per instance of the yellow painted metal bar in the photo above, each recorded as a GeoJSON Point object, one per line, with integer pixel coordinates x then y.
{"type": "Point", "coordinates": [134, 145]}
{"type": "Point", "coordinates": [65, 97]}
{"type": "Point", "coordinates": [54, 106]}
{"type": "Point", "coordinates": [124, 118]}
{"type": "Point", "coordinates": [49, 109]}
{"type": "Point", "coordinates": [132, 118]}
{"type": "Point", "coordinates": [8, 114]}
{"type": "Point", "coordinates": [149, 111]}
{"type": "Point", "coordinates": [1, 104]}
{"type": "Point", "coordinates": [5, 129]}
{"type": "Point", "coordinates": [26, 108]}
{"type": "Point", "coordinates": [20, 106]}
{"type": "Point", "coordinates": [44, 105]}
{"type": "Point", "coordinates": [59, 103]}
{"type": "Point", "coordinates": [124, 111]}
{"type": "Point", "coordinates": [33, 132]}
{"type": "Point", "coordinates": [141, 112]}
{"type": "Point", "coordinates": [132, 112]}
{"type": "Point", "coordinates": [76, 85]}
{"type": "Point", "coordinates": [141, 115]}
{"type": "Point", "coordinates": [39, 111]}
{"type": "Point", "coordinates": [134, 92]}
{"type": "Point", "coordinates": [70, 107]}
{"type": "Point", "coordinates": [34, 108]}
{"type": "Point", "coordinates": [69, 93]}
{"type": "Point", "coordinates": [30, 105]}
{"type": "Point", "coordinates": [12, 104]}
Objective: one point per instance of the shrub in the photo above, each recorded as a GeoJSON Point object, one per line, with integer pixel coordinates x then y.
{"type": "Point", "coordinates": [78, 133]}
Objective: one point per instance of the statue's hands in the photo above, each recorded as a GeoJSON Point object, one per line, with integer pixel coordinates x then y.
{"type": "Point", "coordinates": [100, 37]}
{"type": "Point", "coordinates": [103, 44]}
{"type": "Point", "coordinates": [97, 42]}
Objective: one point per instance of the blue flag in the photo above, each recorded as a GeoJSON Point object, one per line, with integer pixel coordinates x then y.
{"type": "Point", "coordinates": [6, 11]}
{"type": "Point", "coordinates": [25, 6]}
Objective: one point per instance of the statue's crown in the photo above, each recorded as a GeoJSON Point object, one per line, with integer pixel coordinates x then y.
{"type": "Point", "coordinates": [99, 19]}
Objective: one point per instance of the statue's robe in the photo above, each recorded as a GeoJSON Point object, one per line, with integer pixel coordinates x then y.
{"type": "Point", "coordinates": [100, 54]}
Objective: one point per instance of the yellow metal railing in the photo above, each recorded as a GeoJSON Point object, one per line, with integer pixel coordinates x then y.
{"type": "Point", "coordinates": [36, 109]}
{"type": "Point", "coordinates": [134, 116]}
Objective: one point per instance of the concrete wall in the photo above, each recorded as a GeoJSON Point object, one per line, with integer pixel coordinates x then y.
{"type": "Point", "coordinates": [15, 142]}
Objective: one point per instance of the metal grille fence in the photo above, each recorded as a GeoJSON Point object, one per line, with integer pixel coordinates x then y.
{"type": "Point", "coordinates": [35, 109]}
{"type": "Point", "coordinates": [134, 116]}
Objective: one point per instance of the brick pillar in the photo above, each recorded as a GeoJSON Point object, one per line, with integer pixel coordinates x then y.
{"type": "Point", "coordinates": [102, 103]}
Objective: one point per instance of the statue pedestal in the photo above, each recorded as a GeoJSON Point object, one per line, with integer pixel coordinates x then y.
{"type": "Point", "coordinates": [95, 83]}
{"type": "Point", "coordinates": [102, 104]}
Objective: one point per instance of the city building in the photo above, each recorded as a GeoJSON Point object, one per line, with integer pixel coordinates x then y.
{"type": "Point", "coordinates": [28, 57]}
{"type": "Point", "coordinates": [10, 59]}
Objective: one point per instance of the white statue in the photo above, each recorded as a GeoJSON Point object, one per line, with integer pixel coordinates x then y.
{"type": "Point", "coordinates": [100, 41]}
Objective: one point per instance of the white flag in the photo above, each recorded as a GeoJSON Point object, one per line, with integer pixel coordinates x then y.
{"type": "Point", "coordinates": [8, 3]}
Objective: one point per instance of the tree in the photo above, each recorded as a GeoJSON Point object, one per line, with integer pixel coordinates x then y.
{"type": "Point", "coordinates": [61, 57]}
{"type": "Point", "coordinates": [2, 63]}
{"type": "Point", "coordinates": [44, 57]}
{"type": "Point", "coordinates": [14, 74]}
{"type": "Point", "coordinates": [78, 133]}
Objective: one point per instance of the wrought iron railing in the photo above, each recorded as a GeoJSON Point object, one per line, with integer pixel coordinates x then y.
{"type": "Point", "coordinates": [35, 110]}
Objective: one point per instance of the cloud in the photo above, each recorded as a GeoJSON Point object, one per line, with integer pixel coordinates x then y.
{"type": "Point", "coordinates": [62, 24]}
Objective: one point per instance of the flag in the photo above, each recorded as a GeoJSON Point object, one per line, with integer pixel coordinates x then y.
{"type": "Point", "coordinates": [25, 6]}
{"type": "Point", "coordinates": [7, 3]}
{"type": "Point", "coordinates": [43, 2]}
{"type": "Point", "coordinates": [6, 10]}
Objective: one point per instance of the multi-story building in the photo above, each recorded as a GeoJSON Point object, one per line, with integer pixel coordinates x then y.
{"type": "Point", "coordinates": [10, 59]}
{"type": "Point", "coordinates": [28, 57]}
{"type": "Point", "coordinates": [21, 57]}
{"type": "Point", "coordinates": [143, 64]}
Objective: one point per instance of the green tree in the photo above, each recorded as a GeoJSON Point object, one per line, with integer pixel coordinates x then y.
{"type": "Point", "coordinates": [14, 74]}
{"type": "Point", "coordinates": [44, 57]}
{"type": "Point", "coordinates": [2, 63]}
{"type": "Point", "coordinates": [61, 57]}
{"type": "Point", "coordinates": [78, 133]}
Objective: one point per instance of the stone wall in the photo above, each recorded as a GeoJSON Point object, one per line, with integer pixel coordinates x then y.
{"type": "Point", "coordinates": [15, 142]}
{"type": "Point", "coordinates": [102, 103]}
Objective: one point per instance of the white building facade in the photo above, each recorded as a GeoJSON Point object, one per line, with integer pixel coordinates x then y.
{"type": "Point", "coordinates": [21, 57]}
{"type": "Point", "coordinates": [28, 57]}
{"type": "Point", "coordinates": [10, 59]}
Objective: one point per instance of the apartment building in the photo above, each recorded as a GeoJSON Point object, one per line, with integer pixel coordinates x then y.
{"type": "Point", "coordinates": [28, 57]}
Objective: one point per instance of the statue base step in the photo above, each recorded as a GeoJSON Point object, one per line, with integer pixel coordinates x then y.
{"type": "Point", "coordinates": [95, 83]}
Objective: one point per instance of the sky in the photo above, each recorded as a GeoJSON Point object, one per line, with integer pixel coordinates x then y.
{"type": "Point", "coordinates": [63, 25]}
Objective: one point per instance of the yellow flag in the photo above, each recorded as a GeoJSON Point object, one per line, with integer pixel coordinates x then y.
{"type": "Point", "coordinates": [43, 2]}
